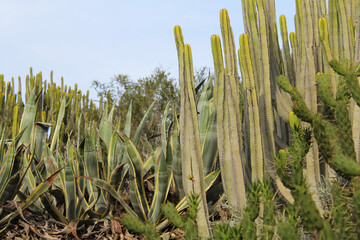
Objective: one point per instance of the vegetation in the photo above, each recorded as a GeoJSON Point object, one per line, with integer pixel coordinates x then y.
{"type": "Point", "coordinates": [159, 87]}
{"type": "Point", "coordinates": [273, 156]}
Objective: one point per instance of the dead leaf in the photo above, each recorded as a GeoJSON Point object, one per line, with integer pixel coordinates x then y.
{"type": "Point", "coordinates": [73, 228]}
{"type": "Point", "coordinates": [115, 226]}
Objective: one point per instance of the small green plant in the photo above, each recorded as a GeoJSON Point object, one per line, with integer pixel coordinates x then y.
{"type": "Point", "coordinates": [290, 170]}
{"type": "Point", "coordinates": [288, 228]}
{"type": "Point", "coordinates": [267, 195]}
{"type": "Point", "coordinates": [226, 231]}
{"type": "Point", "coordinates": [135, 224]}
{"type": "Point", "coordinates": [341, 207]}
{"type": "Point", "coordinates": [187, 222]}
{"type": "Point", "coordinates": [251, 212]}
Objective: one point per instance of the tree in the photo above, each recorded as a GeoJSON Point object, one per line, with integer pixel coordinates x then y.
{"type": "Point", "coordinates": [158, 86]}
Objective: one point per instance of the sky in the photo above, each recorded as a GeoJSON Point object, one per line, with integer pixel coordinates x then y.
{"type": "Point", "coordinates": [86, 40]}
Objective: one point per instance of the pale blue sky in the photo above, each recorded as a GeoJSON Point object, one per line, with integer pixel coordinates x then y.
{"type": "Point", "coordinates": [85, 40]}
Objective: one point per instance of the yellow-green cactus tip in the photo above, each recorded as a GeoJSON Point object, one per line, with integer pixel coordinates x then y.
{"type": "Point", "coordinates": [177, 30]}
{"type": "Point", "coordinates": [282, 18]}
{"type": "Point", "coordinates": [224, 11]}
{"type": "Point", "coordinates": [294, 120]}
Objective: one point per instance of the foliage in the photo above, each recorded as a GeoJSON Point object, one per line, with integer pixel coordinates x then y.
{"type": "Point", "coordinates": [187, 222]}
{"type": "Point", "coordinates": [138, 226]}
{"type": "Point", "coordinates": [65, 155]}
{"type": "Point", "coordinates": [226, 231]}
{"type": "Point", "coordinates": [333, 134]}
{"type": "Point", "coordinates": [159, 87]}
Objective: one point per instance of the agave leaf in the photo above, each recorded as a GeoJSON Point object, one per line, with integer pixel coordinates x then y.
{"type": "Point", "coordinates": [49, 161]}
{"type": "Point", "coordinates": [162, 184]}
{"type": "Point", "coordinates": [115, 150]}
{"type": "Point", "coordinates": [108, 188]}
{"type": "Point", "coordinates": [137, 188]}
{"type": "Point", "coordinates": [46, 199]}
{"type": "Point", "coordinates": [58, 124]}
{"type": "Point", "coordinates": [92, 170]}
{"type": "Point", "coordinates": [205, 95]}
{"type": "Point", "coordinates": [176, 159]}
{"type": "Point", "coordinates": [90, 160]}
{"type": "Point", "coordinates": [13, 165]}
{"type": "Point", "coordinates": [162, 179]}
{"type": "Point", "coordinates": [209, 181]}
{"type": "Point", "coordinates": [70, 188]}
{"type": "Point", "coordinates": [116, 178]}
{"type": "Point", "coordinates": [37, 138]}
{"type": "Point", "coordinates": [48, 204]}
{"type": "Point", "coordinates": [141, 126]}
{"type": "Point", "coordinates": [135, 199]}
{"type": "Point", "coordinates": [127, 127]}
{"type": "Point", "coordinates": [6, 169]}
{"type": "Point", "coordinates": [209, 144]}
{"type": "Point", "coordinates": [163, 130]}
{"type": "Point", "coordinates": [105, 128]}
{"type": "Point", "coordinates": [18, 161]}
{"type": "Point", "coordinates": [150, 162]}
{"type": "Point", "coordinates": [41, 189]}
{"type": "Point", "coordinates": [2, 147]}
{"type": "Point", "coordinates": [10, 188]}
{"type": "Point", "coordinates": [111, 153]}
{"type": "Point", "coordinates": [80, 170]}
{"type": "Point", "coordinates": [136, 171]}
{"type": "Point", "coordinates": [28, 118]}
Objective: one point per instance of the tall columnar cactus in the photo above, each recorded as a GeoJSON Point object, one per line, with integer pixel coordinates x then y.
{"type": "Point", "coordinates": [308, 56]}
{"type": "Point", "coordinates": [312, 45]}
{"type": "Point", "coordinates": [229, 122]}
{"type": "Point", "coordinates": [334, 139]}
{"type": "Point", "coordinates": [192, 163]}
{"type": "Point", "coordinates": [333, 130]}
{"type": "Point", "coordinates": [260, 65]}
{"type": "Point", "coordinates": [339, 33]}
{"type": "Point", "coordinates": [256, 147]}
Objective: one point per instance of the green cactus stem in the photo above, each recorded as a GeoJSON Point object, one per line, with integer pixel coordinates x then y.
{"type": "Point", "coordinates": [191, 154]}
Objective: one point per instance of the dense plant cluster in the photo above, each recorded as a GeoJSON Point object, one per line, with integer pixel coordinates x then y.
{"type": "Point", "coordinates": [264, 147]}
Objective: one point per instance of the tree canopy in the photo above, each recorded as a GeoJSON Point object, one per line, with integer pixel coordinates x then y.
{"type": "Point", "coordinates": [159, 87]}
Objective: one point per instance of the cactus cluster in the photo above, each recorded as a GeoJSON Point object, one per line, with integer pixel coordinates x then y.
{"type": "Point", "coordinates": [62, 153]}
{"type": "Point", "coordinates": [332, 131]}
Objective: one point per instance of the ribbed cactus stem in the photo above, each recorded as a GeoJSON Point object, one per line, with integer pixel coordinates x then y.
{"type": "Point", "coordinates": [15, 126]}
{"type": "Point", "coordinates": [256, 147]}
{"type": "Point", "coordinates": [325, 132]}
{"type": "Point", "coordinates": [350, 77]}
{"type": "Point", "coordinates": [193, 175]}
{"type": "Point", "coordinates": [232, 158]}
{"type": "Point", "coordinates": [299, 107]}
{"type": "Point", "coordinates": [324, 89]}
{"type": "Point", "coordinates": [289, 69]}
